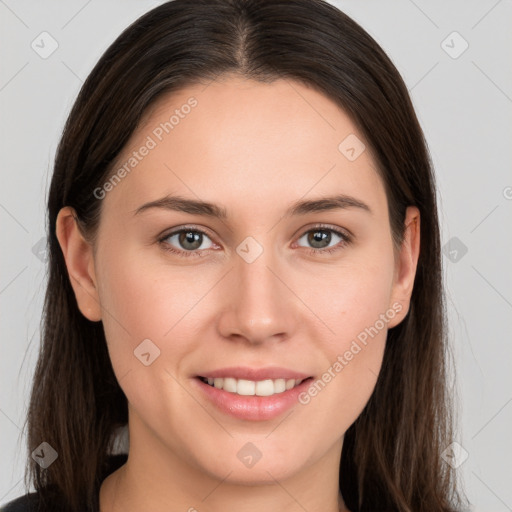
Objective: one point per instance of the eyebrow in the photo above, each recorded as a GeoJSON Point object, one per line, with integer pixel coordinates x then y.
{"type": "Point", "coordinates": [303, 207]}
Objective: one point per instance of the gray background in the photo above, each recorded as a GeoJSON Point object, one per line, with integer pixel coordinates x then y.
{"type": "Point", "coordinates": [464, 103]}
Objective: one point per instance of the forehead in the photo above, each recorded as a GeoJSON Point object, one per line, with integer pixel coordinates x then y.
{"type": "Point", "coordinates": [235, 140]}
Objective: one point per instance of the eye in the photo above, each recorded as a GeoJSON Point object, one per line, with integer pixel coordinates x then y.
{"type": "Point", "coordinates": [321, 236]}
{"type": "Point", "coordinates": [189, 242]}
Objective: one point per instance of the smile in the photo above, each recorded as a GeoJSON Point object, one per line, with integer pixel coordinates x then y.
{"type": "Point", "coordinates": [245, 387]}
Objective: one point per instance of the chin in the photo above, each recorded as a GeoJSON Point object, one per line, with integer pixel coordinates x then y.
{"type": "Point", "coordinates": [251, 467]}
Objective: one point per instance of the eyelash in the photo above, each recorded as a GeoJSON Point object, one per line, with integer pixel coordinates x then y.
{"type": "Point", "coordinates": [346, 240]}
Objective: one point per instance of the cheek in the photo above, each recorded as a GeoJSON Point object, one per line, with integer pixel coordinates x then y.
{"type": "Point", "coordinates": [145, 298]}
{"type": "Point", "coordinates": [147, 294]}
{"type": "Point", "coordinates": [142, 302]}
{"type": "Point", "coordinates": [356, 309]}
{"type": "Point", "coordinates": [353, 297]}
{"type": "Point", "coordinates": [139, 303]}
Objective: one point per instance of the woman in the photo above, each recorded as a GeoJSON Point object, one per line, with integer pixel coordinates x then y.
{"type": "Point", "coordinates": [245, 271]}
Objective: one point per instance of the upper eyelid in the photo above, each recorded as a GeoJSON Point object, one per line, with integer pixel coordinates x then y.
{"type": "Point", "coordinates": [342, 231]}
{"type": "Point", "coordinates": [185, 228]}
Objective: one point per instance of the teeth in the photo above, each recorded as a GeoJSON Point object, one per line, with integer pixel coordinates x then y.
{"type": "Point", "coordinates": [230, 385]}
{"type": "Point", "coordinates": [244, 387]}
{"type": "Point", "coordinates": [290, 383]}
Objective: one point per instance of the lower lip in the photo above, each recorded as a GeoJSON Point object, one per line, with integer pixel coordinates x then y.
{"type": "Point", "coordinates": [253, 408]}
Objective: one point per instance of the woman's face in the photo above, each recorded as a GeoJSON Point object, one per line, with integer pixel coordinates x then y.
{"type": "Point", "coordinates": [245, 292]}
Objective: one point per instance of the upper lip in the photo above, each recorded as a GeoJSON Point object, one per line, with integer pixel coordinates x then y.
{"type": "Point", "coordinates": [255, 374]}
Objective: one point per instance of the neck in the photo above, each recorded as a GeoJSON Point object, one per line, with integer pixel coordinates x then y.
{"type": "Point", "coordinates": [121, 492]}
{"type": "Point", "coordinates": [155, 478]}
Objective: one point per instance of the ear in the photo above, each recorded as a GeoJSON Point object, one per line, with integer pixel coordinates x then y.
{"type": "Point", "coordinates": [78, 254]}
{"type": "Point", "coordinates": [406, 264]}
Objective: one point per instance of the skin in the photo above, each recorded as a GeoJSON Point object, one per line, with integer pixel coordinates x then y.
{"type": "Point", "coordinates": [255, 149]}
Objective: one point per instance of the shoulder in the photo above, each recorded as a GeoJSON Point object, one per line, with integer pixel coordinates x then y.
{"type": "Point", "coordinates": [31, 502]}
{"type": "Point", "coordinates": [26, 503]}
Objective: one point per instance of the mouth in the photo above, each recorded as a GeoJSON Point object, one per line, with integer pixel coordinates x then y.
{"type": "Point", "coordinates": [252, 400]}
{"type": "Point", "coordinates": [249, 393]}
{"type": "Point", "coordinates": [244, 387]}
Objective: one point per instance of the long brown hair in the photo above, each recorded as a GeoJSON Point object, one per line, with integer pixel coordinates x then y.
{"type": "Point", "coordinates": [391, 454]}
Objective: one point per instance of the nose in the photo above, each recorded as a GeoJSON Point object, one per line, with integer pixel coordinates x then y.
{"type": "Point", "coordinates": [258, 302]}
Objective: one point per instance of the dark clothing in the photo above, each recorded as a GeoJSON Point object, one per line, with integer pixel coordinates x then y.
{"type": "Point", "coordinates": [30, 502]}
